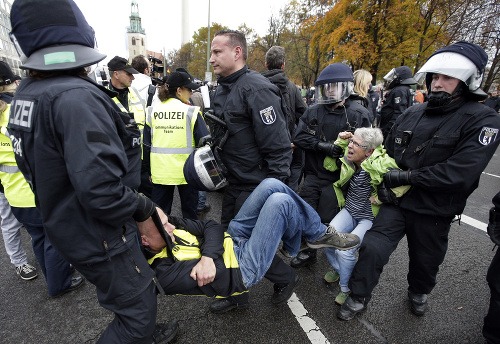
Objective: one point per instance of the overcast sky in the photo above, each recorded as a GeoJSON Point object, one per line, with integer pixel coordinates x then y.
{"type": "Point", "coordinates": [162, 20]}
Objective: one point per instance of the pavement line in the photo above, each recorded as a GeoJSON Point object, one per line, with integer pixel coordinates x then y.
{"type": "Point", "coordinates": [308, 325]}
{"type": "Point", "coordinates": [491, 175]}
{"type": "Point", "coordinates": [473, 222]}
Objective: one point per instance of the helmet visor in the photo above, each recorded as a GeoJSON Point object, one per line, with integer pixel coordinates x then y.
{"type": "Point", "coordinates": [333, 92]}
{"type": "Point", "coordinates": [208, 169]}
{"type": "Point", "coordinates": [450, 64]}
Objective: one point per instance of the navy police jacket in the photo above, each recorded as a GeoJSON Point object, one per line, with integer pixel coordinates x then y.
{"type": "Point", "coordinates": [81, 156]}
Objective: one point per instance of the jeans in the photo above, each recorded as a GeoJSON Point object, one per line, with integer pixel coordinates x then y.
{"type": "Point", "coordinates": [272, 213]}
{"type": "Point", "coordinates": [55, 268]}
{"type": "Point", "coordinates": [11, 232]}
{"type": "Point", "coordinates": [343, 261]}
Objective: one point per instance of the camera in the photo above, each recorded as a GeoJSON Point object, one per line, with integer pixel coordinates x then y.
{"type": "Point", "coordinates": [157, 67]}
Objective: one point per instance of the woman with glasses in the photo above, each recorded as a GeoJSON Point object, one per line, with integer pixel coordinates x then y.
{"type": "Point", "coordinates": [173, 129]}
{"type": "Point", "coordinates": [362, 168]}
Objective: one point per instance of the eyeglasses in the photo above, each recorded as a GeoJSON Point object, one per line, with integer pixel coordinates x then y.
{"type": "Point", "coordinates": [356, 144]}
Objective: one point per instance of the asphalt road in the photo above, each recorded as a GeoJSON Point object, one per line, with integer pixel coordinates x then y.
{"type": "Point", "coordinates": [457, 304]}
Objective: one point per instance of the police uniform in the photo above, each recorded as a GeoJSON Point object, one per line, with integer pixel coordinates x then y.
{"type": "Point", "coordinates": [320, 124]}
{"type": "Point", "coordinates": [395, 102]}
{"type": "Point", "coordinates": [171, 133]}
{"type": "Point", "coordinates": [257, 143]}
{"type": "Point", "coordinates": [446, 151]}
{"type": "Point", "coordinates": [69, 139]}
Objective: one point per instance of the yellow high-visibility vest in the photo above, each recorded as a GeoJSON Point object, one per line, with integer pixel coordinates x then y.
{"type": "Point", "coordinates": [172, 125]}
{"type": "Point", "coordinates": [16, 188]}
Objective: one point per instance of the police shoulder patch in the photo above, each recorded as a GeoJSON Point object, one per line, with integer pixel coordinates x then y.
{"type": "Point", "coordinates": [268, 115]}
{"type": "Point", "coordinates": [487, 135]}
{"type": "Point", "coordinates": [397, 100]}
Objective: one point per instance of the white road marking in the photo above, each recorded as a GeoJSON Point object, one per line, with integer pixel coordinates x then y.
{"type": "Point", "coordinates": [308, 325]}
{"type": "Point", "coordinates": [474, 223]}
{"type": "Point", "coordinates": [491, 175]}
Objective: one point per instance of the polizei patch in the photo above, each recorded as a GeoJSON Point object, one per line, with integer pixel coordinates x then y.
{"type": "Point", "coordinates": [268, 115]}
{"type": "Point", "coordinates": [487, 135]}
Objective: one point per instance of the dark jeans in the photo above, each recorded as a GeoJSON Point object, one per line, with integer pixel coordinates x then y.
{"type": "Point", "coordinates": [427, 237]}
{"type": "Point", "coordinates": [163, 196]}
{"type": "Point", "coordinates": [491, 328]}
{"type": "Point", "coordinates": [55, 268]}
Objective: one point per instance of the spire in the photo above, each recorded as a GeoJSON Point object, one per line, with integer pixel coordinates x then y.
{"type": "Point", "coordinates": [135, 19]}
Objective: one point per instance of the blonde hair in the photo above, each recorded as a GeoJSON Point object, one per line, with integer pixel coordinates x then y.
{"type": "Point", "coordinates": [10, 88]}
{"type": "Point", "coordinates": [361, 80]}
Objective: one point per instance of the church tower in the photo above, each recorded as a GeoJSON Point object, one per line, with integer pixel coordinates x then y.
{"type": "Point", "coordinates": [136, 35]}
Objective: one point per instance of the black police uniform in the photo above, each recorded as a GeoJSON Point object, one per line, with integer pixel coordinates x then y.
{"type": "Point", "coordinates": [491, 330]}
{"type": "Point", "coordinates": [446, 150]}
{"type": "Point", "coordinates": [320, 124]}
{"type": "Point", "coordinates": [82, 158]}
{"type": "Point", "coordinates": [257, 143]}
{"type": "Point", "coordinates": [396, 101]}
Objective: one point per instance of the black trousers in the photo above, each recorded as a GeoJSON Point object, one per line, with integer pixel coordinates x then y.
{"type": "Point", "coordinates": [491, 327]}
{"type": "Point", "coordinates": [233, 199]}
{"type": "Point", "coordinates": [427, 237]}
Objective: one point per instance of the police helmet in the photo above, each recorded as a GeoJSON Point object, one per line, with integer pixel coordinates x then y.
{"type": "Point", "coordinates": [202, 171]}
{"type": "Point", "coordinates": [52, 35]}
{"type": "Point", "coordinates": [334, 84]}
{"type": "Point", "coordinates": [463, 60]}
{"type": "Point", "coordinates": [399, 76]}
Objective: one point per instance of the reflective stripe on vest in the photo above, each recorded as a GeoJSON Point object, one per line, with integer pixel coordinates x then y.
{"type": "Point", "coordinates": [9, 169]}
{"type": "Point", "coordinates": [136, 106]}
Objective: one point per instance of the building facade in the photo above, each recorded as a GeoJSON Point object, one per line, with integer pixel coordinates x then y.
{"type": "Point", "coordinates": [8, 53]}
{"type": "Point", "coordinates": [136, 35]}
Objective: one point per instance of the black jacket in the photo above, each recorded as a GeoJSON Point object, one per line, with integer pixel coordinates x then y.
{"type": "Point", "coordinates": [395, 102]}
{"type": "Point", "coordinates": [446, 152]}
{"type": "Point", "coordinates": [258, 143]}
{"type": "Point", "coordinates": [319, 123]}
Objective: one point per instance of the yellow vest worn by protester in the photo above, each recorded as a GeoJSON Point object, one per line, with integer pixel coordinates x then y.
{"type": "Point", "coordinates": [172, 124]}
{"type": "Point", "coordinates": [16, 188]}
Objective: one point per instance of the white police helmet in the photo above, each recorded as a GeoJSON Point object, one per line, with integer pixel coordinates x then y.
{"type": "Point", "coordinates": [203, 172]}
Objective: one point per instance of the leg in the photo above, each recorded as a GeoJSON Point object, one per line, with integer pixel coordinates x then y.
{"type": "Point", "coordinates": [344, 223]}
{"type": "Point", "coordinates": [11, 231]}
{"type": "Point", "coordinates": [232, 201]}
{"type": "Point", "coordinates": [163, 196]}
{"type": "Point", "coordinates": [189, 201]}
{"type": "Point", "coordinates": [491, 330]}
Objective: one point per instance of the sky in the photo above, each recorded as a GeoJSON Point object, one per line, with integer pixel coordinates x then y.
{"type": "Point", "coordinates": [162, 20]}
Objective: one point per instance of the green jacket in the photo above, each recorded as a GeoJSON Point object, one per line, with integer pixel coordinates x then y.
{"type": "Point", "coordinates": [376, 165]}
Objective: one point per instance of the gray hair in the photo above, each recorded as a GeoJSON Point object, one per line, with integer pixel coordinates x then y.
{"type": "Point", "coordinates": [371, 137]}
{"type": "Point", "coordinates": [275, 57]}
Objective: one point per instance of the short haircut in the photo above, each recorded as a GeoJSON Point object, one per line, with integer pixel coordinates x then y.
{"type": "Point", "coordinates": [371, 137]}
{"type": "Point", "coordinates": [236, 38]}
{"type": "Point", "coordinates": [275, 57]}
{"type": "Point", "coordinates": [140, 63]}
{"type": "Point", "coordinates": [361, 79]}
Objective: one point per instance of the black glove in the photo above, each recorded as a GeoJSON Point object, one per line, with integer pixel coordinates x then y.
{"type": "Point", "coordinates": [205, 140]}
{"type": "Point", "coordinates": [386, 195]}
{"type": "Point", "coordinates": [145, 208]}
{"type": "Point", "coordinates": [494, 226]}
{"type": "Point", "coordinates": [396, 177]}
{"type": "Point", "coordinates": [330, 149]}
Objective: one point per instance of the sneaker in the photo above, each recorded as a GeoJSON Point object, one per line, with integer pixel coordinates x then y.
{"type": "Point", "coordinates": [331, 276]}
{"type": "Point", "coordinates": [332, 238]}
{"type": "Point", "coordinates": [350, 308]}
{"type": "Point", "coordinates": [27, 272]}
{"type": "Point", "coordinates": [418, 303]}
{"type": "Point", "coordinates": [341, 297]}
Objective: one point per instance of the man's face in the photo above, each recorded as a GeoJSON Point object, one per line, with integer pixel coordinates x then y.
{"type": "Point", "coordinates": [122, 79]}
{"type": "Point", "coordinates": [223, 58]}
{"type": "Point", "coordinates": [443, 83]}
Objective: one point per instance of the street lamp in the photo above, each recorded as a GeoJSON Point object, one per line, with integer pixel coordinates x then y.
{"type": "Point", "coordinates": [208, 74]}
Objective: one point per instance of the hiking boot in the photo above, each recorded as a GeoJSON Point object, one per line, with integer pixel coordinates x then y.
{"type": "Point", "coordinates": [282, 292]}
{"type": "Point", "coordinates": [341, 297]}
{"type": "Point", "coordinates": [350, 308]}
{"type": "Point", "coordinates": [305, 258]}
{"type": "Point", "coordinates": [332, 238]}
{"type": "Point", "coordinates": [418, 303]}
{"type": "Point", "coordinates": [331, 277]}
{"type": "Point", "coordinates": [26, 272]}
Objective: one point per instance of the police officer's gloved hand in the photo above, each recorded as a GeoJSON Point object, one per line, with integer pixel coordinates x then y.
{"type": "Point", "coordinates": [494, 226]}
{"type": "Point", "coordinates": [330, 149]}
{"type": "Point", "coordinates": [205, 140]}
{"type": "Point", "coordinates": [396, 177]}
{"type": "Point", "coordinates": [145, 208]}
{"type": "Point", "coordinates": [386, 195]}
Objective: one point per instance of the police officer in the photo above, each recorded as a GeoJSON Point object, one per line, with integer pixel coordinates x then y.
{"type": "Point", "coordinates": [81, 156]}
{"type": "Point", "coordinates": [318, 128]}
{"type": "Point", "coordinates": [173, 129]}
{"type": "Point", "coordinates": [398, 97]}
{"type": "Point", "coordinates": [442, 146]}
{"type": "Point", "coordinates": [491, 330]}
{"type": "Point", "coordinates": [250, 133]}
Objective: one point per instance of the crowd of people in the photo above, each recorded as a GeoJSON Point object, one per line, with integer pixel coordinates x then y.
{"type": "Point", "coordinates": [348, 170]}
